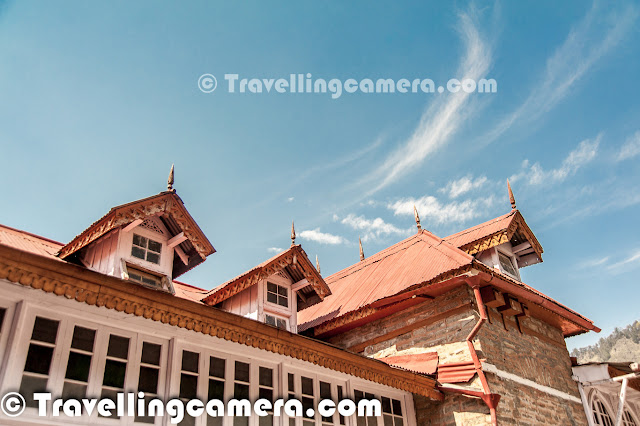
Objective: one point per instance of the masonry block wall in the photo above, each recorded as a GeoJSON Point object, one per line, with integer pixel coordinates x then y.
{"type": "Point", "coordinates": [538, 354]}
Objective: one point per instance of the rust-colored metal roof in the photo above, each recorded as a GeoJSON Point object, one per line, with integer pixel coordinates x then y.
{"type": "Point", "coordinates": [494, 232]}
{"type": "Point", "coordinates": [425, 363]}
{"type": "Point", "coordinates": [28, 242]}
{"type": "Point", "coordinates": [459, 372]}
{"type": "Point", "coordinates": [418, 259]}
{"type": "Point", "coordinates": [293, 261]}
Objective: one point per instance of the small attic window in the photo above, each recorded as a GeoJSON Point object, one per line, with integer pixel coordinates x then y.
{"type": "Point", "coordinates": [277, 295]}
{"type": "Point", "coordinates": [506, 264]}
{"type": "Point", "coordinates": [146, 249]}
{"type": "Point", "coordinates": [144, 277]}
{"type": "Point", "coordinates": [277, 322]}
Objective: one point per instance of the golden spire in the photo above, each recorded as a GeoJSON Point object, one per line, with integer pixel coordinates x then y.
{"type": "Point", "coordinates": [415, 213]}
{"type": "Point", "coordinates": [170, 181]}
{"type": "Point", "coordinates": [293, 235]}
{"type": "Point", "coordinates": [317, 264]}
{"type": "Point", "coordinates": [511, 197]}
{"type": "Point", "coordinates": [361, 251]}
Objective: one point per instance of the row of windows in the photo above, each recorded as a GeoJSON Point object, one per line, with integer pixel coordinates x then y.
{"type": "Point", "coordinates": [76, 360]}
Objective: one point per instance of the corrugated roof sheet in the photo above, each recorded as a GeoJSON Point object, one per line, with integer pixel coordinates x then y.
{"type": "Point", "coordinates": [415, 260]}
{"type": "Point", "coordinates": [28, 242]}
{"type": "Point", "coordinates": [460, 372]}
{"type": "Point", "coordinates": [425, 363]}
{"type": "Point", "coordinates": [483, 230]}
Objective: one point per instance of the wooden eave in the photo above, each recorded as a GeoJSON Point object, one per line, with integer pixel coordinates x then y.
{"type": "Point", "coordinates": [517, 225]}
{"type": "Point", "coordinates": [171, 210]}
{"type": "Point", "coordinates": [293, 261]}
{"type": "Point", "coordinates": [86, 286]}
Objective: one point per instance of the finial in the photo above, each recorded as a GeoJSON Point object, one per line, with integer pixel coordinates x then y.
{"type": "Point", "coordinates": [170, 181]}
{"type": "Point", "coordinates": [415, 213]}
{"type": "Point", "coordinates": [511, 197]}
{"type": "Point", "coordinates": [293, 235]}
{"type": "Point", "coordinates": [361, 251]}
{"type": "Point", "coordinates": [317, 264]}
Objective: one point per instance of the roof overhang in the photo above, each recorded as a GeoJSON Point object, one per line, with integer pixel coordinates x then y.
{"type": "Point", "coordinates": [170, 209]}
{"type": "Point", "coordinates": [294, 262]}
{"type": "Point", "coordinates": [86, 286]}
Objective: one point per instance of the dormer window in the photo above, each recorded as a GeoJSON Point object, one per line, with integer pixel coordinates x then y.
{"type": "Point", "coordinates": [146, 249]}
{"type": "Point", "coordinates": [506, 264]}
{"type": "Point", "coordinates": [278, 295]}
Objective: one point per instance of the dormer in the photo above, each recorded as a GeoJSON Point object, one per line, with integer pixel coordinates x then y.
{"type": "Point", "coordinates": [149, 242]}
{"type": "Point", "coordinates": [274, 291]}
{"type": "Point", "coordinates": [506, 242]}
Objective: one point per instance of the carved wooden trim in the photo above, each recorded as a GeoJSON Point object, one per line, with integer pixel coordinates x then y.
{"type": "Point", "coordinates": [85, 286]}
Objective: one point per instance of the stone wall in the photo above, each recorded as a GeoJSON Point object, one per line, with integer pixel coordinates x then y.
{"type": "Point", "coordinates": [538, 354]}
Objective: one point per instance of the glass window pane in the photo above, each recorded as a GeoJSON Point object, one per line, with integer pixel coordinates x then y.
{"type": "Point", "coordinates": [388, 420]}
{"type": "Point", "coordinates": [216, 389]}
{"type": "Point", "coordinates": [31, 385]}
{"type": "Point", "coordinates": [399, 422]}
{"type": "Point", "coordinates": [137, 252]}
{"type": "Point", "coordinates": [78, 367]}
{"type": "Point", "coordinates": [155, 246]}
{"type": "Point", "coordinates": [266, 394]}
{"type": "Point", "coordinates": [2, 312]}
{"type": "Point", "coordinates": [397, 407]}
{"type": "Point", "coordinates": [386, 405]}
{"type": "Point", "coordinates": [151, 353]}
{"type": "Point", "coordinates": [283, 301]}
{"type": "Point", "coordinates": [190, 361]}
{"type": "Point", "coordinates": [45, 330]}
{"type": "Point", "coordinates": [266, 377]}
{"type": "Point", "coordinates": [83, 338]}
{"type": "Point", "coordinates": [272, 298]}
{"type": "Point", "coordinates": [38, 359]}
{"type": "Point", "coordinates": [73, 390]}
{"type": "Point", "coordinates": [188, 386]}
{"type": "Point", "coordinates": [153, 257]}
{"type": "Point", "coordinates": [139, 241]}
{"type": "Point", "coordinates": [118, 347]}
{"type": "Point", "coordinates": [272, 288]}
{"type": "Point", "coordinates": [325, 390]}
{"type": "Point", "coordinates": [242, 371]}
{"type": "Point", "coordinates": [148, 381]}
{"type": "Point", "coordinates": [290, 381]}
{"type": "Point", "coordinates": [114, 373]}
{"type": "Point", "coordinates": [240, 391]}
{"type": "Point", "coordinates": [307, 386]}
{"type": "Point", "coordinates": [282, 291]}
{"type": "Point", "coordinates": [216, 367]}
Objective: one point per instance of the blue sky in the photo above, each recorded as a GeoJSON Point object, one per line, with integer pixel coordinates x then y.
{"type": "Point", "coordinates": [98, 100]}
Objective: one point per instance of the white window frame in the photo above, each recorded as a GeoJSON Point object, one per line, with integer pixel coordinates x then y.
{"type": "Point", "coordinates": [61, 355]}
{"type": "Point", "coordinates": [514, 263]}
{"type": "Point", "coordinates": [595, 395]}
{"type": "Point", "coordinates": [6, 326]}
{"type": "Point", "coordinates": [203, 376]}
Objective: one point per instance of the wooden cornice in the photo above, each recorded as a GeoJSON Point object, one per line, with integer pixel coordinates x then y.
{"type": "Point", "coordinates": [85, 286]}
{"type": "Point", "coordinates": [503, 236]}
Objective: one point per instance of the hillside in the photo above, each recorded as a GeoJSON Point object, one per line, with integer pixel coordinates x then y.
{"type": "Point", "coordinates": [620, 346]}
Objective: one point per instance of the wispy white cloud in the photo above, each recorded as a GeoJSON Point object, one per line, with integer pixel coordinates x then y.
{"type": "Point", "coordinates": [275, 250]}
{"type": "Point", "coordinates": [431, 210]}
{"type": "Point", "coordinates": [592, 263]}
{"type": "Point", "coordinates": [633, 258]}
{"type": "Point", "coordinates": [455, 188]}
{"type": "Point", "coordinates": [534, 174]}
{"type": "Point", "coordinates": [631, 147]}
{"type": "Point", "coordinates": [290, 199]}
{"type": "Point", "coordinates": [322, 237]}
{"type": "Point", "coordinates": [592, 38]}
{"type": "Point", "coordinates": [372, 228]}
{"type": "Point", "coordinates": [445, 115]}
